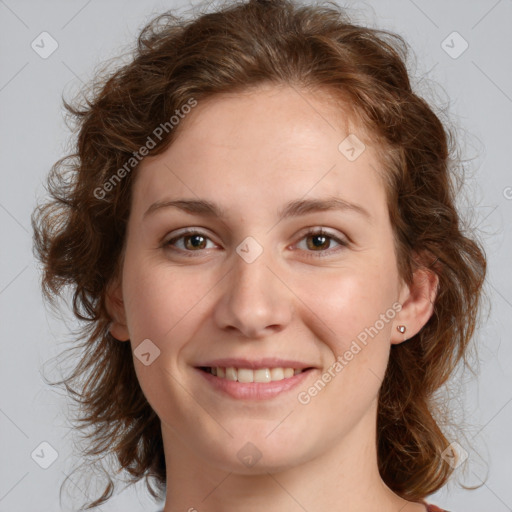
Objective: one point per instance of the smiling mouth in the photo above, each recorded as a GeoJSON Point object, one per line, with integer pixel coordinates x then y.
{"type": "Point", "coordinates": [252, 375]}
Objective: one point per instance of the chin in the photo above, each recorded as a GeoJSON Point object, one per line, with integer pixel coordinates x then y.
{"type": "Point", "coordinates": [259, 453]}
{"type": "Point", "coordinates": [275, 463]}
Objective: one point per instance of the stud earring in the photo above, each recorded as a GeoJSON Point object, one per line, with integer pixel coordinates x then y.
{"type": "Point", "coordinates": [401, 328]}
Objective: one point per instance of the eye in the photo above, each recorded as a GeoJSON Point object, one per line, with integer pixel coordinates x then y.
{"type": "Point", "coordinates": [193, 241]}
{"type": "Point", "coordinates": [320, 242]}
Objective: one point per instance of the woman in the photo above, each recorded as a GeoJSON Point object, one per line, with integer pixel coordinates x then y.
{"type": "Point", "coordinates": [261, 234]}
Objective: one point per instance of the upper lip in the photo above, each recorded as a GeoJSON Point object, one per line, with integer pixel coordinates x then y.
{"type": "Point", "coordinates": [265, 362]}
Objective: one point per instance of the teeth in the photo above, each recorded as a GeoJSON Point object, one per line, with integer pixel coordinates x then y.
{"type": "Point", "coordinates": [250, 375]}
{"type": "Point", "coordinates": [276, 374]}
{"type": "Point", "coordinates": [288, 372]}
{"type": "Point", "coordinates": [231, 374]}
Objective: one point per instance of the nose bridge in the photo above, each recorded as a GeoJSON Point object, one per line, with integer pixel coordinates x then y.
{"type": "Point", "coordinates": [254, 299]}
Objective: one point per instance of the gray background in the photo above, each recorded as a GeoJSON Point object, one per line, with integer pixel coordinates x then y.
{"type": "Point", "coordinates": [33, 135]}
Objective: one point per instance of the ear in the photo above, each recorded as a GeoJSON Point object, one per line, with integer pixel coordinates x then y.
{"type": "Point", "coordinates": [417, 301]}
{"type": "Point", "coordinates": [115, 307]}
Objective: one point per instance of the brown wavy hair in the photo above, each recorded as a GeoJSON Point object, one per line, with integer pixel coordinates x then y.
{"type": "Point", "coordinates": [79, 233]}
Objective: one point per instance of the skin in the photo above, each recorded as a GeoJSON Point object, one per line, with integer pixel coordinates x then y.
{"type": "Point", "coordinates": [251, 153]}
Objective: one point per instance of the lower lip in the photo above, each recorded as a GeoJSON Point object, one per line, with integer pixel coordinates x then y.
{"type": "Point", "coordinates": [254, 390]}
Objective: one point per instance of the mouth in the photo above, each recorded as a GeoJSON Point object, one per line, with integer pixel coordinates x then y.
{"type": "Point", "coordinates": [247, 375]}
{"type": "Point", "coordinates": [253, 383]}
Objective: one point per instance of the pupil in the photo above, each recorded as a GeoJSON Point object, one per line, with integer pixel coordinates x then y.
{"type": "Point", "coordinates": [195, 238]}
{"type": "Point", "coordinates": [319, 237]}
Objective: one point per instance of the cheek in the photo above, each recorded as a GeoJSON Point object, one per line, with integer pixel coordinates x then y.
{"type": "Point", "coordinates": [163, 305]}
{"type": "Point", "coordinates": [350, 300]}
{"type": "Point", "coordinates": [355, 309]}
{"type": "Point", "coordinates": [162, 301]}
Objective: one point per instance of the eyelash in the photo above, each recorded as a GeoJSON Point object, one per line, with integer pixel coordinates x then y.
{"type": "Point", "coordinates": [312, 232]}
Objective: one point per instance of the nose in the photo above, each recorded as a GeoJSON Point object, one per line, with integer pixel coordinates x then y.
{"type": "Point", "coordinates": [254, 299]}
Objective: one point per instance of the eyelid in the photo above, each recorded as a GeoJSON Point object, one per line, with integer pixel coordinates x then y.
{"type": "Point", "coordinates": [314, 230]}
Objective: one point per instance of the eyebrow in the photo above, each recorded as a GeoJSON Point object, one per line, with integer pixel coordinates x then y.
{"type": "Point", "coordinates": [291, 209]}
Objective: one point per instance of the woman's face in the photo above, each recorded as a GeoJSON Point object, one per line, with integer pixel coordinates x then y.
{"type": "Point", "coordinates": [253, 285]}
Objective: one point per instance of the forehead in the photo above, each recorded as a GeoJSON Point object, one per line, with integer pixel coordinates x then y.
{"type": "Point", "coordinates": [264, 146]}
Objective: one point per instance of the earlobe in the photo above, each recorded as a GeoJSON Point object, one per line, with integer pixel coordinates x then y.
{"type": "Point", "coordinates": [417, 305]}
{"type": "Point", "coordinates": [115, 306]}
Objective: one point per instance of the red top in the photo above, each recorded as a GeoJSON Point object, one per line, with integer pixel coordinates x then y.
{"type": "Point", "coordinates": [434, 508]}
{"type": "Point", "coordinates": [430, 508]}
